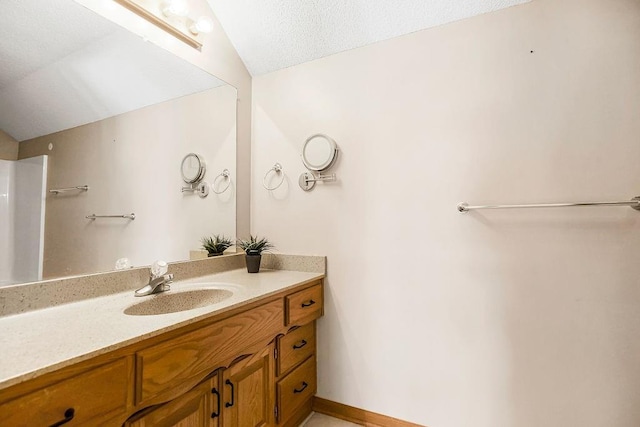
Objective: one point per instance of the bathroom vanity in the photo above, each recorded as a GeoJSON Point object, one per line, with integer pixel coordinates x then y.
{"type": "Point", "coordinates": [249, 360]}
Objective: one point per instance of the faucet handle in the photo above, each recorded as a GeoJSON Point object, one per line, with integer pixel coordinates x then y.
{"type": "Point", "coordinates": [158, 268]}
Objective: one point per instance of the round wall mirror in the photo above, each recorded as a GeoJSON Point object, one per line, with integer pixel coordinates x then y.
{"type": "Point", "coordinates": [193, 168]}
{"type": "Point", "coordinates": [319, 153]}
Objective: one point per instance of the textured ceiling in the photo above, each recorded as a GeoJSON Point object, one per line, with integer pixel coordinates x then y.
{"type": "Point", "coordinates": [274, 34]}
{"type": "Point", "coordinates": [62, 65]}
{"type": "Point", "coordinates": [36, 33]}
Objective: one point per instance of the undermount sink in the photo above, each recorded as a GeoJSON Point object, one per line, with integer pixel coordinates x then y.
{"type": "Point", "coordinates": [173, 302]}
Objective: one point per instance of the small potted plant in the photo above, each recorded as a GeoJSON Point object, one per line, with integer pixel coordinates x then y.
{"type": "Point", "coordinates": [253, 248]}
{"type": "Point", "coordinates": [215, 245]}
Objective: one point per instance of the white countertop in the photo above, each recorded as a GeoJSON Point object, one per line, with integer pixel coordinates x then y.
{"type": "Point", "coordinates": [41, 341]}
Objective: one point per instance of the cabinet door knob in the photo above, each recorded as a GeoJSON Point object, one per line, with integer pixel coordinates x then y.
{"type": "Point", "coordinates": [304, 385]}
{"type": "Point", "coordinates": [299, 346]}
{"type": "Point", "coordinates": [215, 392]}
{"type": "Point", "coordinates": [230, 404]}
{"type": "Point", "coordinates": [308, 304]}
{"type": "Point", "coordinates": [68, 416]}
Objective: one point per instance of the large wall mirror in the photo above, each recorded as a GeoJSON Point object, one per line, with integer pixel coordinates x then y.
{"type": "Point", "coordinates": [91, 104]}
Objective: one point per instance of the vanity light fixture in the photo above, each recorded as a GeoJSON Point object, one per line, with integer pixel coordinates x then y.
{"type": "Point", "coordinates": [204, 24]}
{"type": "Point", "coordinates": [172, 17]}
{"type": "Point", "coordinates": [175, 7]}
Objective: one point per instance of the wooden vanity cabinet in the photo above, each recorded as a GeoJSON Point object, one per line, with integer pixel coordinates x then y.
{"type": "Point", "coordinates": [254, 367]}
{"type": "Point", "coordinates": [269, 387]}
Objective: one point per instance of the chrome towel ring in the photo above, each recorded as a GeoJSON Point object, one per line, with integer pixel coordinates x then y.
{"type": "Point", "coordinates": [224, 175]}
{"type": "Point", "coordinates": [277, 169]}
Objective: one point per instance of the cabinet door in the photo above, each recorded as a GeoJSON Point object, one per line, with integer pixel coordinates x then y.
{"type": "Point", "coordinates": [195, 408]}
{"type": "Point", "coordinates": [248, 397]}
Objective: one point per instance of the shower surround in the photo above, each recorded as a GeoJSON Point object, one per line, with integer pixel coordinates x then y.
{"type": "Point", "coordinates": [22, 207]}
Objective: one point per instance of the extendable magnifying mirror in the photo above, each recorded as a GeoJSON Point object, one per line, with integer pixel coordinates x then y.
{"type": "Point", "coordinates": [193, 169]}
{"type": "Point", "coordinates": [319, 153]}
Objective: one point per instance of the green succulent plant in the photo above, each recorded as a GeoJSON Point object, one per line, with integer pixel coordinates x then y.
{"type": "Point", "coordinates": [255, 245]}
{"type": "Point", "coordinates": [216, 244]}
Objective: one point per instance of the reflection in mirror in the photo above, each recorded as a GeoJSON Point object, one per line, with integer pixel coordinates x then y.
{"type": "Point", "coordinates": [193, 168]}
{"type": "Point", "coordinates": [117, 114]}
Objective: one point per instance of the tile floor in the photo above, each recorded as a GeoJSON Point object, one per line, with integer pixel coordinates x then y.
{"type": "Point", "coordinates": [321, 420]}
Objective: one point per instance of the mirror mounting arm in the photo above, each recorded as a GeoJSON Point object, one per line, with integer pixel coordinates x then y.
{"type": "Point", "coordinates": [308, 180]}
{"type": "Point", "coordinates": [202, 189]}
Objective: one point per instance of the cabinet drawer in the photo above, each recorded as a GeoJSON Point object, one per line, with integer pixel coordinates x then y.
{"type": "Point", "coordinates": [295, 347]}
{"type": "Point", "coordinates": [294, 389]}
{"type": "Point", "coordinates": [304, 306]}
{"type": "Point", "coordinates": [167, 369]}
{"type": "Point", "coordinates": [91, 398]}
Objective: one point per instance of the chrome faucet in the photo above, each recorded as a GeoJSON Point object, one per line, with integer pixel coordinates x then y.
{"type": "Point", "coordinates": [155, 286]}
{"type": "Point", "coordinates": [158, 281]}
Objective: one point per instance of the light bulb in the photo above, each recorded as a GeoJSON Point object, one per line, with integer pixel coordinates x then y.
{"type": "Point", "coordinates": [204, 24]}
{"type": "Point", "coordinates": [175, 7]}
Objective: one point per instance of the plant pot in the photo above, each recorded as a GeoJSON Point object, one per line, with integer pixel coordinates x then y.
{"type": "Point", "coordinates": [210, 254]}
{"type": "Point", "coordinates": [253, 263]}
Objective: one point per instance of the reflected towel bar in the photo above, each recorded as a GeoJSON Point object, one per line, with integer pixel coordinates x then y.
{"type": "Point", "coordinates": [131, 216]}
{"type": "Point", "coordinates": [633, 203]}
{"type": "Point", "coordinates": [64, 190]}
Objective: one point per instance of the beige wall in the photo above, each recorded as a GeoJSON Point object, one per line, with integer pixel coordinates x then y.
{"type": "Point", "coordinates": [131, 163]}
{"type": "Point", "coordinates": [8, 147]}
{"type": "Point", "coordinates": [218, 57]}
{"type": "Point", "coordinates": [490, 319]}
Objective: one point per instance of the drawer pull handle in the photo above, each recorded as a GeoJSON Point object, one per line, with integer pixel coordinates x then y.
{"type": "Point", "coordinates": [299, 346]}
{"type": "Point", "coordinates": [68, 416]}
{"type": "Point", "coordinates": [230, 404]}
{"type": "Point", "coordinates": [217, 394]}
{"type": "Point", "coordinates": [304, 385]}
{"type": "Point", "coordinates": [308, 304]}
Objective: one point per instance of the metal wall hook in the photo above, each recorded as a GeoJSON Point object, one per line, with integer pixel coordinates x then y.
{"type": "Point", "coordinates": [277, 169]}
{"type": "Point", "coordinates": [225, 175]}
{"type": "Point", "coordinates": [308, 180]}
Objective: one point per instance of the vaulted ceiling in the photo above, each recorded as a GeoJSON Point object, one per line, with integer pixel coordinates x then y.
{"type": "Point", "coordinates": [274, 34]}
